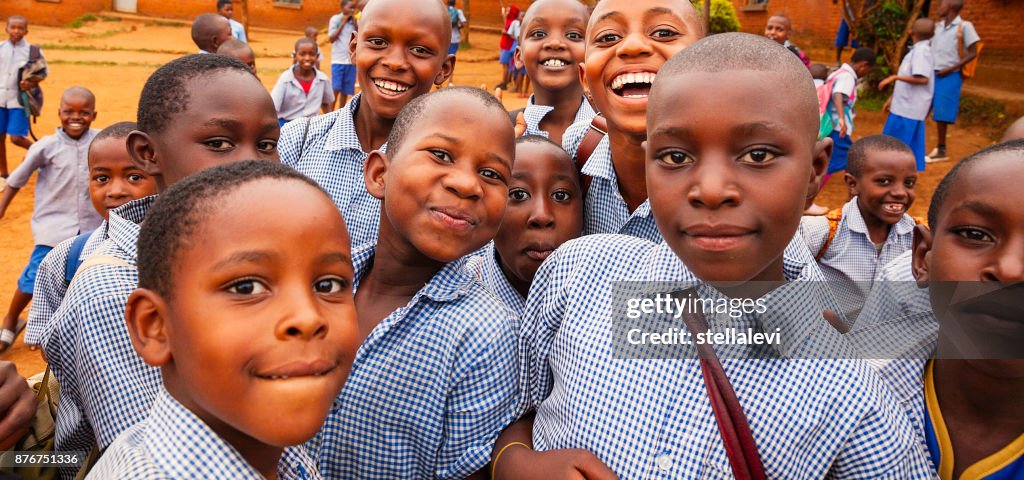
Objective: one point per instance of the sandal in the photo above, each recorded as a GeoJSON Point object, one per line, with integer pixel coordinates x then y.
{"type": "Point", "coordinates": [7, 336]}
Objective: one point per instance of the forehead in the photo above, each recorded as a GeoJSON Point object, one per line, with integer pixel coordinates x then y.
{"type": "Point", "coordinates": [17, 21]}
{"type": "Point", "coordinates": [999, 173]}
{"type": "Point", "coordinates": [532, 156]}
{"type": "Point", "coordinates": [76, 100]}
{"type": "Point", "coordinates": [110, 152]}
{"type": "Point", "coordinates": [776, 20]}
{"type": "Point", "coordinates": [552, 11]}
{"type": "Point", "coordinates": [421, 18]}
{"type": "Point", "coordinates": [225, 92]}
{"type": "Point", "coordinates": [632, 9]}
{"type": "Point", "coordinates": [464, 120]}
{"type": "Point", "coordinates": [888, 160]}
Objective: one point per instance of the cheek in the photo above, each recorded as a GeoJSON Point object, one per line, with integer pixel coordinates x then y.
{"type": "Point", "coordinates": [495, 200]}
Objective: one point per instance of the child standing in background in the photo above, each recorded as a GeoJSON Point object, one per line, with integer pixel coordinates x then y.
{"type": "Point", "coordinates": [14, 53]}
{"type": "Point", "coordinates": [340, 31]}
{"type": "Point", "coordinates": [912, 96]}
{"type": "Point", "coordinates": [302, 90]}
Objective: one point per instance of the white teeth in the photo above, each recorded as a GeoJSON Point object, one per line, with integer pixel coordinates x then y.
{"type": "Point", "coordinates": [389, 85]}
{"type": "Point", "coordinates": [555, 62]}
{"type": "Point", "coordinates": [633, 78]}
{"type": "Point", "coordinates": [893, 207]}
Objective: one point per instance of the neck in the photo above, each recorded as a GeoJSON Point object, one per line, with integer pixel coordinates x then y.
{"type": "Point", "coordinates": [878, 231]}
{"type": "Point", "coordinates": [520, 285]}
{"type": "Point", "coordinates": [566, 101]}
{"type": "Point", "coordinates": [950, 16]}
{"type": "Point", "coordinates": [969, 390]}
{"type": "Point", "coordinates": [398, 269]}
{"type": "Point", "coordinates": [302, 72]}
{"type": "Point", "coordinates": [372, 129]}
{"type": "Point", "coordinates": [628, 160]}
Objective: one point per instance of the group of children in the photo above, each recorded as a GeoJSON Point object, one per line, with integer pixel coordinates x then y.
{"type": "Point", "coordinates": [429, 296]}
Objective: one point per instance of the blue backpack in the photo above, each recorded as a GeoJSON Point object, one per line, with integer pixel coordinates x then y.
{"type": "Point", "coordinates": [75, 259]}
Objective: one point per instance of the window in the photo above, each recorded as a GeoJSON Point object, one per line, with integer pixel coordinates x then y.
{"type": "Point", "coordinates": [297, 4]}
{"type": "Point", "coordinates": [755, 6]}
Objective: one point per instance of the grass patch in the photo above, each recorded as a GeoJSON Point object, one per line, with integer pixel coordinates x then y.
{"type": "Point", "coordinates": [871, 104]}
{"type": "Point", "coordinates": [93, 63]}
{"type": "Point", "coordinates": [82, 20]}
{"type": "Point", "coordinates": [109, 18]}
{"type": "Point", "coordinates": [90, 48]}
{"type": "Point", "coordinates": [986, 112]}
{"type": "Point", "coordinates": [166, 23]}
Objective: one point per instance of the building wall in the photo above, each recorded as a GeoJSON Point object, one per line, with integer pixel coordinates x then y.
{"type": "Point", "coordinates": [262, 13]}
{"type": "Point", "coordinates": [49, 13]}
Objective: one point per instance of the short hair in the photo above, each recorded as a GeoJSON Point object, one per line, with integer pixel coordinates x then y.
{"type": "Point", "coordinates": [924, 27]}
{"type": "Point", "coordinates": [204, 27]}
{"type": "Point", "coordinates": [78, 91]}
{"type": "Point", "coordinates": [531, 10]}
{"type": "Point", "coordinates": [547, 142]}
{"type": "Point", "coordinates": [222, 3]}
{"type": "Point", "coordinates": [17, 17]}
{"type": "Point", "coordinates": [234, 45]}
{"type": "Point", "coordinates": [789, 23]}
{"type": "Point", "coordinates": [311, 30]}
{"type": "Point", "coordinates": [305, 41]}
{"type": "Point", "coordinates": [864, 54]}
{"type": "Point", "coordinates": [181, 210]}
{"type": "Point", "coordinates": [862, 149]}
{"type": "Point", "coordinates": [742, 51]}
{"type": "Point", "coordinates": [117, 131]}
{"type": "Point", "coordinates": [165, 93]}
{"type": "Point", "coordinates": [819, 71]}
{"type": "Point", "coordinates": [942, 190]}
{"type": "Point", "coordinates": [371, 8]}
{"type": "Point", "coordinates": [956, 5]}
{"type": "Point", "coordinates": [413, 111]}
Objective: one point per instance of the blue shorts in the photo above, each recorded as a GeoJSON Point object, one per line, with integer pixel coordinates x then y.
{"type": "Point", "coordinates": [505, 57]}
{"type": "Point", "coordinates": [910, 132]}
{"type": "Point", "coordinates": [843, 35]}
{"type": "Point", "coordinates": [946, 102]}
{"type": "Point", "coordinates": [452, 48]}
{"type": "Point", "coordinates": [343, 78]}
{"type": "Point", "coordinates": [27, 280]}
{"type": "Point", "coordinates": [13, 122]}
{"type": "Point", "coordinates": [840, 147]}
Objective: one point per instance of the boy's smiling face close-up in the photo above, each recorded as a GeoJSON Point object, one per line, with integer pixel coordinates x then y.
{"type": "Point", "coordinates": [885, 186]}
{"type": "Point", "coordinates": [552, 45]}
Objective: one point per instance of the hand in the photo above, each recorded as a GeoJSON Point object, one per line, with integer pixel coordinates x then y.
{"type": "Point", "coordinates": [837, 323]}
{"type": "Point", "coordinates": [886, 82]}
{"type": "Point", "coordinates": [842, 126]}
{"type": "Point", "coordinates": [888, 104]}
{"type": "Point", "coordinates": [26, 85]}
{"type": "Point", "coordinates": [520, 124]}
{"type": "Point", "coordinates": [17, 405]}
{"type": "Point", "coordinates": [523, 463]}
{"type": "Point", "coordinates": [945, 71]}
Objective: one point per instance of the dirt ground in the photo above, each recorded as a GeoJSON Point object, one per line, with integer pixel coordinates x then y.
{"type": "Point", "coordinates": [113, 58]}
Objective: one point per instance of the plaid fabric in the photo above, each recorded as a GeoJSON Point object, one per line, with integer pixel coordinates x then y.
{"type": "Point", "coordinates": [905, 378]}
{"type": "Point", "coordinates": [648, 418]}
{"type": "Point", "coordinates": [894, 294]}
{"type": "Point", "coordinates": [431, 386]}
{"type": "Point", "coordinates": [174, 443]}
{"type": "Point", "coordinates": [105, 386]}
{"type": "Point", "coordinates": [605, 210]}
{"type": "Point", "coordinates": [333, 157]}
{"type": "Point", "coordinates": [484, 265]}
{"type": "Point", "coordinates": [51, 285]}
{"type": "Point", "coordinates": [534, 114]}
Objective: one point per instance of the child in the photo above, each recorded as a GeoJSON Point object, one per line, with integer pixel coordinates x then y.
{"type": "Point", "coordinates": [332, 149]}
{"type": "Point", "coordinates": [194, 112]}
{"type": "Point", "coordinates": [505, 44]}
{"type": "Point", "coordinates": [113, 181]}
{"type": "Point", "coordinates": [227, 10]}
{"type": "Point", "coordinates": [61, 207]}
{"type": "Point", "coordinates": [458, 23]}
{"type": "Point", "coordinates": [545, 209]}
{"type": "Point", "coordinates": [312, 34]}
{"type": "Point", "coordinates": [519, 81]}
{"type": "Point", "coordinates": [209, 31]}
{"type": "Point", "coordinates": [778, 28]}
{"type": "Point", "coordinates": [841, 110]}
{"type": "Point", "coordinates": [819, 72]}
{"type": "Point", "coordinates": [551, 48]}
{"type": "Point", "coordinates": [302, 90]}
{"type": "Point", "coordinates": [341, 31]}
{"type": "Point", "coordinates": [14, 53]}
{"type": "Point", "coordinates": [232, 355]}
{"type": "Point", "coordinates": [912, 96]}
{"type": "Point", "coordinates": [239, 50]}
{"type": "Point", "coordinates": [872, 228]}
{"type": "Point", "coordinates": [435, 379]}
{"type": "Point", "coordinates": [616, 79]}
{"type": "Point", "coordinates": [954, 45]}
{"type": "Point", "coordinates": [727, 191]}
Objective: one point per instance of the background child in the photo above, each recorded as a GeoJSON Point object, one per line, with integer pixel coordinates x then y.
{"type": "Point", "coordinates": [14, 53]}
{"type": "Point", "coordinates": [302, 90]}
{"type": "Point", "coordinates": [239, 50]}
{"type": "Point", "coordinates": [954, 45]}
{"type": "Point", "coordinates": [550, 48]}
{"type": "Point", "coordinates": [777, 29]}
{"type": "Point", "coordinates": [841, 110]}
{"type": "Point", "coordinates": [819, 72]}
{"type": "Point", "coordinates": [209, 31]}
{"type": "Point", "coordinates": [113, 181]}
{"type": "Point", "coordinates": [340, 30]}
{"type": "Point", "coordinates": [232, 358]}
{"type": "Point", "coordinates": [312, 34]}
{"type": "Point", "coordinates": [458, 23]}
{"type": "Point", "coordinates": [519, 81]}
{"type": "Point", "coordinates": [227, 10]}
{"type": "Point", "coordinates": [505, 45]}
{"type": "Point", "coordinates": [873, 228]}
{"type": "Point", "coordinates": [912, 96]}
{"type": "Point", "coordinates": [61, 208]}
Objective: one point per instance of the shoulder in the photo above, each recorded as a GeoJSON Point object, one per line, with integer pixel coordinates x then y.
{"type": "Point", "coordinates": [610, 255]}
{"type": "Point", "coordinates": [128, 457]}
{"type": "Point", "coordinates": [315, 130]}
{"type": "Point", "coordinates": [574, 135]}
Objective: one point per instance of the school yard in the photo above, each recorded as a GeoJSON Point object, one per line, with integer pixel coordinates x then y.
{"type": "Point", "coordinates": [113, 55]}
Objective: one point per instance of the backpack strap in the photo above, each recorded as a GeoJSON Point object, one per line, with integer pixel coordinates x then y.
{"type": "Point", "coordinates": [74, 260]}
{"type": "Point", "coordinates": [598, 129]}
{"type": "Point", "coordinates": [512, 114]}
{"type": "Point", "coordinates": [833, 217]}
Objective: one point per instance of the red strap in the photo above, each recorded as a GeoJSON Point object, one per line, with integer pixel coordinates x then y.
{"type": "Point", "coordinates": [598, 129]}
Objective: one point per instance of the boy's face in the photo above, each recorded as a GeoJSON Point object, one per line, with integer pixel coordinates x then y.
{"type": "Point", "coordinates": [76, 113]}
{"type": "Point", "coordinates": [305, 56]}
{"type": "Point", "coordinates": [727, 189]}
{"type": "Point", "coordinates": [17, 29]}
{"type": "Point", "coordinates": [444, 191]}
{"type": "Point", "coordinates": [545, 209]}
{"type": "Point", "coordinates": [552, 44]}
{"type": "Point", "coordinates": [348, 8]}
{"type": "Point", "coordinates": [113, 179]}
{"type": "Point", "coordinates": [400, 54]}
{"type": "Point", "coordinates": [862, 68]}
{"type": "Point", "coordinates": [973, 259]}
{"type": "Point", "coordinates": [230, 117]}
{"type": "Point", "coordinates": [627, 42]}
{"type": "Point", "coordinates": [777, 29]}
{"type": "Point", "coordinates": [261, 322]}
{"type": "Point", "coordinates": [228, 10]}
{"type": "Point", "coordinates": [885, 187]}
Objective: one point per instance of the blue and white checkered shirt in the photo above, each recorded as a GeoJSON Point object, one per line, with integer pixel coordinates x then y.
{"type": "Point", "coordinates": [534, 114]}
{"type": "Point", "coordinates": [605, 210]}
{"type": "Point", "coordinates": [51, 284]}
{"type": "Point", "coordinates": [105, 386]}
{"type": "Point", "coordinates": [430, 388]}
{"type": "Point", "coordinates": [894, 294]}
{"type": "Point", "coordinates": [484, 264]}
{"type": "Point", "coordinates": [651, 418]}
{"type": "Point", "coordinates": [905, 378]}
{"type": "Point", "coordinates": [173, 443]}
{"type": "Point", "coordinates": [851, 262]}
{"type": "Point", "coordinates": [333, 157]}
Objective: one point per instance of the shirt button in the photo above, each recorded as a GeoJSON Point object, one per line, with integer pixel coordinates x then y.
{"type": "Point", "coordinates": [664, 462]}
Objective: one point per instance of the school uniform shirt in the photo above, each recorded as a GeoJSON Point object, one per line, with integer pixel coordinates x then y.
{"type": "Point", "coordinates": [237, 30]}
{"type": "Point", "coordinates": [851, 262]}
{"type": "Point", "coordinates": [333, 157]}
{"type": "Point", "coordinates": [51, 284]}
{"type": "Point", "coordinates": [12, 57]}
{"type": "Point", "coordinates": [945, 44]}
{"type": "Point", "coordinates": [105, 386]}
{"type": "Point", "coordinates": [63, 208]}
{"type": "Point", "coordinates": [456, 31]}
{"type": "Point", "coordinates": [894, 294]}
{"type": "Point", "coordinates": [909, 100]}
{"type": "Point", "coordinates": [173, 443]}
{"type": "Point", "coordinates": [605, 211]}
{"type": "Point", "coordinates": [648, 417]}
{"type": "Point", "coordinates": [339, 48]}
{"type": "Point", "coordinates": [292, 101]}
{"type": "Point", "coordinates": [845, 83]}
{"type": "Point", "coordinates": [534, 114]}
{"type": "Point", "coordinates": [431, 387]}
{"type": "Point", "coordinates": [485, 265]}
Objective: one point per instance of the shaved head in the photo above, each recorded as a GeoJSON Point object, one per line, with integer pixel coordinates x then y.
{"type": "Point", "coordinates": [783, 19]}
{"type": "Point", "coordinates": [80, 93]}
{"type": "Point", "coordinates": [420, 9]}
{"type": "Point", "coordinates": [565, 5]}
{"type": "Point", "coordinates": [206, 28]}
{"type": "Point", "coordinates": [924, 28]}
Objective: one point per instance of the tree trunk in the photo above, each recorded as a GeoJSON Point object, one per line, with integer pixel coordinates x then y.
{"type": "Point", "coordinates": [465, 31]}
{"type": "Point", "coordinates": [245, 17]}
{"type": "Point", "coordinates": [707, 17]}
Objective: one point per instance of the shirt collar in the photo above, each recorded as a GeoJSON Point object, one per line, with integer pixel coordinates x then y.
{"type": "Point", "coordinates": [342, 135]}
{"type": "Point", "coordinates": [600, 162]}
{"type": "Point", "coordinates": [956, 21]}
{"type": "Point", "coordinates": [125, 222]}
{"type": "Point", "coordinates": [492, 275]}
{"type": "Point", "coordinates": [534, 114]}
{"type": "Point", "coordinates": [855, 221]}
{"type": "Point", "coordinates": [448, 284]}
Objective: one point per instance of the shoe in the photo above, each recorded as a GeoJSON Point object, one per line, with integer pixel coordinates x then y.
{"type": "Point", "coordinates": [937, 155]}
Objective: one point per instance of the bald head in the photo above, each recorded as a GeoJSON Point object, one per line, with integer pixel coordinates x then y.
{"type": "Point", "coordinates": [1015, 132]}
{"type": "Point", "coordinates": [238, 49]}
{"type": "Point", "coordinates": [209, 31]}
{"type": "Point", "coordinates": [418, 11]}
{"type": "Point", "coordinates": [783, 19]}
{"type": "Point", "coordinates": [923, 29]}
{"type": "Point", "coordinates": [569, 6]}
{"type": "Point", "coordinates": [78, 93]}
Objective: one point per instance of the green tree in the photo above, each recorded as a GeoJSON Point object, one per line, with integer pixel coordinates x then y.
{"type": "Point", "coordinates": [884, 25]}
{"type": "Point", "coordinates": [723, 16]}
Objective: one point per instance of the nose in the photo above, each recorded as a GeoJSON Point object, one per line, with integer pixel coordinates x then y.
{"type": "Point", "coordinates": [712, 185]}
{"type": "Point", "coordinates": [898, 190]}
{"type": "Point", "coordinates": [1007, 263]}
{"type": "Point", "coordinates": [394, 58]}
{"type": "Point", "coordinates": [303, 319]}
{"type": "Point", "coordinates": [464, 182]}
{"type": "Point", "coordinates": [541, 214]}
{"type": "Point", "coordinates": [117, 189]}
{"type": "Point", "coordinates": [636, 44]}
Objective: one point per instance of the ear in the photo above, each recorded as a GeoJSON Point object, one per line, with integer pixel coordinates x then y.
{"type": "Point", "coordinates": [851, 184]}
{"type": "Point", "coordinates": [352, 46]}
{"type": "Point", "coordinates": [446, 71]}
{"type": "Point", "coordinates": [819, 165]}
{"type": "Point", "coordinates": [583, 80]}
{"type": "Point", "coordinates": [374, 170]}
{"type": "Point", "coordinates": [143, 152]}
{"type": "Point", "coordinates": [517, 57]}
{"type": "Point", "coordinates": [146, 318]}
{"type": "Point", "coordinates": [922, 255]}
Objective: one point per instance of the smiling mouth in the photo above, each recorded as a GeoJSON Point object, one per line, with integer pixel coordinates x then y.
{"type": "Point", "coordinates": [298, 369]}
{"type": "Point", "coordinates": [389, 87]}
{"type": "Point", "coordinates": [894, 208]}
{"type": "Point", "coordinates": [555, 63]}
{"type": "Point", "coordinates": [633, 85]}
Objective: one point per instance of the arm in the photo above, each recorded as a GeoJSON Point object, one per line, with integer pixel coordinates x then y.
{"type": "Point", "coordinates": [17, 405]}
{"type": "Point", "coordinates": [6, 197]}
{"type": "Point", "coordinates": [838, 102]}
{"type": "Point", "coordinates": [512, 459]}
{"type": "Point", "coordinates": [972, 52]}
{"type": "Point", "coordinates": [277, 94]}
{"type": "Point", "coordinates": [334, 31]}
{"type": "Point", "coordinates": [327, 102]}
{"type": "Point", "coordinates": [911, 79]}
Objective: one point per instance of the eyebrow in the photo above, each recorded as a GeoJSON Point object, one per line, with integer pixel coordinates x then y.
{"type": "Point", "coordinates": [248, 256]}
{"type": "Point", "coordinates": [335, 257]}
{"type": "Point", "coordinates": [222, 122]}
{"type": "Point", "coordinates": [447, 138]}
{"type": "Point", "coordinates": [608, 15]}
{"type": "Point", "coordinates": [980, 208]}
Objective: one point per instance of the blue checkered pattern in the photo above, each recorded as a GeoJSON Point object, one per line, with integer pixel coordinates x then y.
{"type": "Point", "coordinates": [605, 210]}
{"type": "Point", "coordinates": [105, 385]}
{"type": "Point", "coordinates": [894, 294]}
{"type": "Point", "coordinates": [51, 285]}
{"type": "Point", "coordinates": [646, 418]}
{"type": "Point", "coordinates": [905, 378]}
{"type": "Point", "coordinates": [333, 156]}
{"type": "Point", "coordinates": [430, 388]}
{"type": "Point", "coordinates": [534, 114]}
{"type": "Point", "coordinates": [174, 443]}
{"type": "Point", "coordinates": [851, 262]}
{"type": "Point", "coordinates": [484, 264]}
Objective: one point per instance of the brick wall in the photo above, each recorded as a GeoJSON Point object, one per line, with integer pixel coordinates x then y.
{"type": "Point", "coordinates": [48, 13]}
{"type": "Point", "coordinates": [262, 13]}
